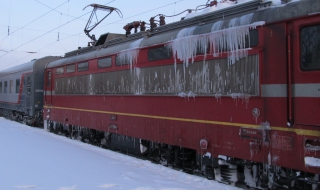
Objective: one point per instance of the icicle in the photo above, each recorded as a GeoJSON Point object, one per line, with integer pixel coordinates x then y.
{"type": "Point", "coordinates": [235, 97]}
{"type": "Point", "coordinates": [250, 178]}
{"type": "Point", "coordinates": [216, 26]}
{"type": "Point", "coordinates": [218, 97]}
{"type": "Point", "coordinates": [186, 32]}
{"type": "Point", "coordinates": [131, 54]}
{"type": "Point", "coordinates": [137, 72]}
{"type": "Point", "coordinates": [185, 46]}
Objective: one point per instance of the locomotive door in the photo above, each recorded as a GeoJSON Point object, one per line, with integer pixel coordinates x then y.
{"type": "Point", "coordinates": [306, 71]}
{"type": "Point", "coordinates": [48, 88]}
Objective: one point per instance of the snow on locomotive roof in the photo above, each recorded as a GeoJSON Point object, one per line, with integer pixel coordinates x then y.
{"type": "Point", "coordinates": [227, 4]}
{"type": "Point", "coordinates": [202, 24]}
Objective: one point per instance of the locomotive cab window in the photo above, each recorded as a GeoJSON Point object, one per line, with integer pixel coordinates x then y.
{"type": "Point", "coordinates": [159, 53]}
{"type": "Point", "coordinates": [104, 62]}
{"type": "Point", "coordinates": [83, 66]}
{"type": "Point", "coordinates": [310, 48]}
{"type": "Point", "coordinates": [60, 70]}
{"type": "Point", "coordinates": [71, 68]}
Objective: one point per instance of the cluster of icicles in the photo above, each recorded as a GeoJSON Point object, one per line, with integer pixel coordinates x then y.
{"type": "Point", "coordinates": [186, 44]}
{"type": "Point", "coordinates": [232, 39]}
{"type": "Point", "coordinates": [130, 54]}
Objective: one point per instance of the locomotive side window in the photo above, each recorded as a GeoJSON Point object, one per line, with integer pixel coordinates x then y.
{"type": "Point", "coordinates": [159, 53]}
{"type": "Point", "coordinates": [310, 48]}
{"type": "Point", "coordinates": [60, 70]}
{"type": "Point", "coordinates": [17, 85]}
{"type": "Point", "coordinates": [83, 66]}
{"type": "Point", "coordinates": [5, 90]}
{"type": "Point", "coordinates": [120, 62]}
{"type": "Point", "coordinates": [71, 68]}
{"type": "Point", "coordinates": [0, 87]}
{"type": "Point", "coordinates": [49, 78]}
{"type": "Point", "coordinates": [104, 62]}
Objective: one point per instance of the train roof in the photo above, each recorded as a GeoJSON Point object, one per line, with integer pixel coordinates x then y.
{"type": "Point", "coordinates": [203, 24]}
{"type": "Point", "coordinates": [26, 67]}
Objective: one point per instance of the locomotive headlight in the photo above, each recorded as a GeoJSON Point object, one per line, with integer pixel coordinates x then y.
{"type": "Point", "coordinates": [48, 110]}
{"type": "Point", "coordinates": [48, 116]}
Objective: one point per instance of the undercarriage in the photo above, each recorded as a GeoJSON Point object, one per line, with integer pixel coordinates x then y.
{"type": "Point", "coordinates": [224, 169]}
{"type": "Point", "coordinates": [22, 117]}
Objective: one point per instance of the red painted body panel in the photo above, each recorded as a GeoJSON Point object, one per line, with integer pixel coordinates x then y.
{"type": "Point", "coordinates": [223, 139]}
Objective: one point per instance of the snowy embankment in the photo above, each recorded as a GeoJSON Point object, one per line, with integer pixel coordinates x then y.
{"type": "Point", "coordinates": [31, 158]}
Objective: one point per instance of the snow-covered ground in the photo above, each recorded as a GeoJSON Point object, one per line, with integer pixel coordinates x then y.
{"type": "Point", "coordinates": [31, 158]}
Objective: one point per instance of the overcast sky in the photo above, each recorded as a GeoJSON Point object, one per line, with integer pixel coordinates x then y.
{"type": "Point", "coordinates": [39, 28]}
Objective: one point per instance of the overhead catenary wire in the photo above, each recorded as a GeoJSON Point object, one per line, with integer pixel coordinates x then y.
{"type": "Point", "coordinates": [48, 32]}
{"type": "Point", "coordinates": [78, 34]}
{"type": "Point", "coordinates": [54, 9]}
{"type": "Point", "coordinates": [82, 16]}
{"type": "Point", "coordinates": [35, 30]}
{"type": "Point", "coordinates": [187, 10]}
{"type": "Point", "coordinates": [43, 34]}
{"type": "Point", "coordinates": [140, 13]}
{"type": "Point", "coordinates": [38, 50]}
{"type": "Point", "coordinates": [32, 22]}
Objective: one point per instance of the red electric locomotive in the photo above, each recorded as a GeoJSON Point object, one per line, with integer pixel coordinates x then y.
{"type": "Point", "coordinates": [232, 94]}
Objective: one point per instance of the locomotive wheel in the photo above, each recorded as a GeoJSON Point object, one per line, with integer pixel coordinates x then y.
{"type": "Point", "coordinates": [75, 135]}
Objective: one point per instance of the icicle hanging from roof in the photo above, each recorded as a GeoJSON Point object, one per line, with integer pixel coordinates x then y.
{"type": "Point", "coordinates": [232, 39]}
{"type": "Point", "coordinates": [130, 54]}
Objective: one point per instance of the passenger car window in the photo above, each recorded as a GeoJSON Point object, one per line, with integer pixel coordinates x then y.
{"type": "Point", "coordinates": [104, 62]}
{"type": "Point", "coordinates": [310, 48]}
{"type": "Point", "coordinates": [5, 90]}
{"type": "Point", "coordinates": [83, 66]}
{"type": "Point", "coordinates": [17, 85]}
{"type": "Point", "coordinates": [11, 86]}
{"type": "Point", "coordinates": [0, 87]}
